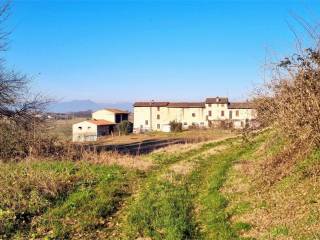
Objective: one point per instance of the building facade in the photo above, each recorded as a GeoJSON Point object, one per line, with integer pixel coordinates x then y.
{"type": "Point", "coordinates": [90, 130]}
{"type": "Point", "coordinates": [156, 116]}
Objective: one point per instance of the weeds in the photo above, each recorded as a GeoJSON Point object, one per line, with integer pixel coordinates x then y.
{"type": "Point", "coordinates": [87, 208]}
{"type": "Point", "coordinates": [58, 199]}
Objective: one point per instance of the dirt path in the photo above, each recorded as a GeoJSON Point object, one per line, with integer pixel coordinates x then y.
{"type": "Point", "coordinates": [167, 166]}
{"type": "Point", "coordinates": [171, 167]}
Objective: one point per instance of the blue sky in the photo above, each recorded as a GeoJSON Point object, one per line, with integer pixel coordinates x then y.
{"type": "Point", "coordinates": [116, 51]}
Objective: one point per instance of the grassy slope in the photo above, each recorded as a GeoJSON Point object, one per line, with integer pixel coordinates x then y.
{"type": "Point", "coordinates": [58, 199]}
{"type": "Point", "coordinates": [287, 209]}
{"type": "Point", "coordinates": [172, 205]}
{"type": "Point", "coordinates": [211, 191]}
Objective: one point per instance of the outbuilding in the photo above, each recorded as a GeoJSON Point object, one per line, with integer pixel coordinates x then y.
{"type": "Point", "coordinates": [90, 130]}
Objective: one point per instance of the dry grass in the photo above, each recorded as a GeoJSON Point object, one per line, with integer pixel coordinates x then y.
{"type": "Point", "coordinates": [179, 148]}
{"type": "Point", "coordinates": [182, 168]}
{"type": "Point", "coordinates": [143, 163]}
{"type": "Point", "coordinates": [27, 189]}
{"type": "Point", "coordinates": [114, 158]}
{"type": "Point", "coordinates": [59, 199]}
{"type": "Point", "coordinates": [215, 150]}
{"type": "Point", "coordinates": [190, 146]}
{"type": "Point", "coordinates": [191, 136]}
{"type": "Point", "coordinates": [287, 209]}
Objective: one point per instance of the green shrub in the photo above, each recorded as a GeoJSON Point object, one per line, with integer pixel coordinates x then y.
{"type": "Point", "coordinates": [125, 127]}
{"type": "Point", "coordinates": [175, 126]}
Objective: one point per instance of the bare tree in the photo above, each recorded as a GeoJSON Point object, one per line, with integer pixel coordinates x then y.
{"type": "Point", "coordinates": [22, 130]}
{"type": "Point", "coordinates": [290, 101]}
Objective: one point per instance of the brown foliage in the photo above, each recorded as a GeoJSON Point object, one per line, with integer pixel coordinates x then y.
{"type": "Point", "coordinates": [21, 128]}
{"type": "Point", "coordinates": [17, 142]}
{"type": "Point", "coordinates": [290, 102]}
{"type": "Point", "coordinates": [279, 166]}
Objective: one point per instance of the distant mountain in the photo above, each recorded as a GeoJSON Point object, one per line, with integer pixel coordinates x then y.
{"type": "Point", "coordinates": [84, 105]}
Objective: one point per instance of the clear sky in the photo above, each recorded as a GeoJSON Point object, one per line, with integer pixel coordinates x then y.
{"type": "Point", "coordinates": [116, 51]}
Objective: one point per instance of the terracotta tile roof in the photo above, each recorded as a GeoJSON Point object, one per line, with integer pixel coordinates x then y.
{"type": "Point", "coordinates": [217, 100]}
{"type": "Point", "coordinates": [241, 105]}
{"type": "Point", "coordinates": [100, 122]}
{"type": "Point", "coordinates": [115, 110]}
{"type": "Point", "coordinates": [186, 105]}
{"type": "Point", "coordinates": [170, 104]}
{"type": "Point", "coordinates": [149, 104]}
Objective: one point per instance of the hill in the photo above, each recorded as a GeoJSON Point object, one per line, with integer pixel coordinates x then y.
{"type": "Point", "coordinates": [214, 190]}
{"type": "Point", "coordinates": [84, 105]}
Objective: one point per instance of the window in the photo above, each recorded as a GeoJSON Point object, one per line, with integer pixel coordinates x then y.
{"type": "Point", "coordinates": [210, 113]}
{"type": "Point", "coordinates": [222, 113]}
{"type": "Point", "coordinates": [185, 123]}
{"type": "Point", "coordinates": [80, 128]}
{"type": "Point", "coordinates": [89, 127]}
{"type": "Point", "coordinates": [193, 114]}
{"type": "Point", "coordinates": [158, 126]}
{"type": "Point", "coordinates": [158, 108]}
{"type": "Point", "coordinates": [146, 122]}
{"type": "Point", "coordinates": [209, 104]}
{"type": "Point", "coordinates": [158, 116]}
{"type": "Point", "coordinates": [237, 113]}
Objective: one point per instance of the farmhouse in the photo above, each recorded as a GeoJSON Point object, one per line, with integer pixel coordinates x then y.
{"type": "Point", "coordinates": [103, 123]}
{"type": "Point", "coordinates": [150, 116]}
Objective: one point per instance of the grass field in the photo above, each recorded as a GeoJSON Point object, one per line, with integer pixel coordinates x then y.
{"type": "Point", "coordinates": [211, 190]}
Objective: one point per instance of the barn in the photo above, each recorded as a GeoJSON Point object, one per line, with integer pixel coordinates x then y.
{"type": "Point", "coordinates": [103, 122]}
{"type": "Point", "coordinates": [90, 130]}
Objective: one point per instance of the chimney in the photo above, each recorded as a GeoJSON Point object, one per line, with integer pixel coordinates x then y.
{"type": "Point", "coordinates": [217, 99]}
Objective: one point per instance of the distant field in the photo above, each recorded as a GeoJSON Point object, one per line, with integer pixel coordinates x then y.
{"type": "Point", "coordinates": [63, 128]}
{"type": "Point", "coordinates": [195, 134]}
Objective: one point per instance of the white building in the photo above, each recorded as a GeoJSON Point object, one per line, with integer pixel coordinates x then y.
{"type": "Point", "coordinates": [103, 123]}
{"type": "Point", "coordinates": [150, 116]}
{"type": "Point", "coordinates": [90, 130]}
